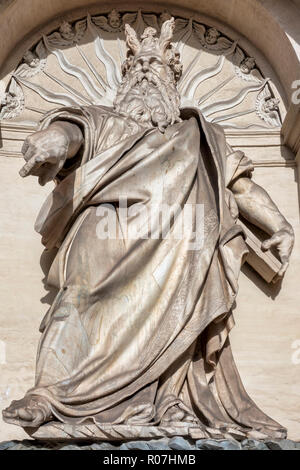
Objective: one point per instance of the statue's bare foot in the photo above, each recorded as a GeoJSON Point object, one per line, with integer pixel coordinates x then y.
{"type": "Point", "coordinates": [31, 411]}
{"type": "Point", "coordinates": [179, 413]}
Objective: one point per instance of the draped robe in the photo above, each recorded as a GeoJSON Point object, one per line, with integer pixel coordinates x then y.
{"type": "Point", "coordinates": [138, 332]}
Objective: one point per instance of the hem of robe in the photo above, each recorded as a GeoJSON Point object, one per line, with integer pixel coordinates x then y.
{"type": "Point", "coordinates": [91, 431]}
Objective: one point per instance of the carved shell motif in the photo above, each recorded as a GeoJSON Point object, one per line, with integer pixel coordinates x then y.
{"type": "Point", "coordinates": [218, 77]}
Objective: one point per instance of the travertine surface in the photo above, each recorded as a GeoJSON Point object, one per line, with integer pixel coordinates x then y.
{"type": "Point", "coordinates": [265, 362]}
{"type": "Point", "coordinates": [20, 271]}
{"type": "Point", "coordinates": [269, 363]}
{"type": "Point", "coordinates": [267, 334]}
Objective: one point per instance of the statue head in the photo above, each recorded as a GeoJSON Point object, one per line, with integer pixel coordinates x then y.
{"type": "Point", "coordinates": [66, 30]}
{"type": "Point", "coordinates": [164, 16]}
{"type": "Point", "coordinates": [114, 19]}
{"type": "Point", "coordinates": [270, 105]}
{"type": "Point", "coordinates": [247, 65]}
{"type": "Point", "coordinates": [9, 101]}
{"type": "Point", "coordinates": [148, 91]}
{"type": "Point", "coordinates": [31, 59]}
{"type": "Point", "coordinates": [149, 33]}
{"type": "Point", "coordinates": [211, 36]}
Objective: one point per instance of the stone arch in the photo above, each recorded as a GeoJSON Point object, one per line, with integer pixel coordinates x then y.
{"type": "Point", "coordinates": [80, 61]}
{"type": "Point", "coordinates": [272, 27]}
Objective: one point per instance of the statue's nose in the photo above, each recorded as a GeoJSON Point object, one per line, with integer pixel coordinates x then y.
{"type": "Point", "coordinates": [145, 66]}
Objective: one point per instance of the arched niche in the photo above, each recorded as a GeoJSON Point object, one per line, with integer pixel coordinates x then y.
{"type": "Point", "coordinates": [257, 32]}
{"type": "Point", "coordinates": [79, 63]}
{"type": "Point", "coordinates": [266, 31]}
{"type": "Point", "coordinates": [225, 74]}
{"type": "Point", "coordinates": [271, 26]}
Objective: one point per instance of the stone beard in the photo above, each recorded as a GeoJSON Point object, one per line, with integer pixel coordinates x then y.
{"type": "Point", "coordinates": [148, 100]}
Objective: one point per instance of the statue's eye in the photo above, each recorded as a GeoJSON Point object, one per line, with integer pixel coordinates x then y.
{"type": "Point", "coordinates": [154, 61]}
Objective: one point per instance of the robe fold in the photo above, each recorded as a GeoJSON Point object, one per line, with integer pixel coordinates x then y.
{"type": "Point", "coordinates": [138, 331]}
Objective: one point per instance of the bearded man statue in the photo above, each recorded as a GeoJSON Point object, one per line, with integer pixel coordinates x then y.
{"type": "Point", "coordinates": [136, 340]}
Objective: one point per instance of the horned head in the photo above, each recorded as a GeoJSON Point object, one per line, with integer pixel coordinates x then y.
{"type": "Point", "coordinates": [152, 46]}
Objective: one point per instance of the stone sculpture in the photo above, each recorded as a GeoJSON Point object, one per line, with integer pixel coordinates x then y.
{"type": "Point", "coordinates": [136, 342]}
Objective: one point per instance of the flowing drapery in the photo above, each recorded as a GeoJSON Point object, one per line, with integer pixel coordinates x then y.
{"type": "Point", "coordinates": [138, 332]}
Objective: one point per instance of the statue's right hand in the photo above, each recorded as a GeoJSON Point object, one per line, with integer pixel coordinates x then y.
{"type": "Point", "coordinates": [45, 153]}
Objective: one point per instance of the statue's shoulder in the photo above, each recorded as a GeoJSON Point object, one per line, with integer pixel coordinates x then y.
{"type": "Point", "coordinates": [78, 114]}
{"type": "Point", "coordinates": [94, 112]}
{"type": "Point", "coordinates": [214, 130]}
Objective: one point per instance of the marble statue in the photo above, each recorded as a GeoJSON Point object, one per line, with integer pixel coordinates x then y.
{"type": "Point", "coordinates": [137, 338]}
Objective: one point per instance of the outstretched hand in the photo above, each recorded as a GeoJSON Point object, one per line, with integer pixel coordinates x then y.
{"type": "Point", "coordinates": [283, 241]}
{"type": "Point", "coordinates": [45, 153]}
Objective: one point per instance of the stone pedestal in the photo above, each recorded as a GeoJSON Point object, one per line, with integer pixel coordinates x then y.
{"type": "Point", "coordinates": [173, 444]}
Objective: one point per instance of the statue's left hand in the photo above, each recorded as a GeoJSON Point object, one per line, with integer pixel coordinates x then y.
{"type": "Point", "coordinates": [283, 241]}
